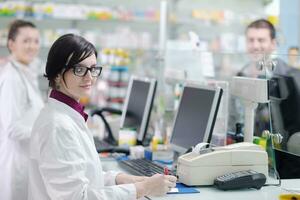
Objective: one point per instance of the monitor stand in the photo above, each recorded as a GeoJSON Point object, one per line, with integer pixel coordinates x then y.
{"type": "Point", "coordinates": [146, 141]}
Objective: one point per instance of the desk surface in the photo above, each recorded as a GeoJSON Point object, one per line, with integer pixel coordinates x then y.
{"type": "Point", "coordinates": [211, 193]}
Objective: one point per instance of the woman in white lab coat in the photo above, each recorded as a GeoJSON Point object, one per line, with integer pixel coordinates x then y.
{"type": "Point", "coordinates": [20, 103]}
{"type": "Point", "coordinates": [64, 163]}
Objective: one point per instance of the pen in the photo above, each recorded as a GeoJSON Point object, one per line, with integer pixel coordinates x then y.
{"type": "Point", "coordinates": [166, 171]}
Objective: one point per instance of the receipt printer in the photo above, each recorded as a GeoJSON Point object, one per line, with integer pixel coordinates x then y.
{"type": "Point", "coordinates": [198, 168]}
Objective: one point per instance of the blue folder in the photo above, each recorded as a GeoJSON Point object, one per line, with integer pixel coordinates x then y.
{"type": "Point", "coordinates": [183, 189]}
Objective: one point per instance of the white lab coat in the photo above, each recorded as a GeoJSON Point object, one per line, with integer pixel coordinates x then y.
{"type": "Point", "coordinates": [20, 103]}
{"type": "Point", "coordinates": [64, 163]}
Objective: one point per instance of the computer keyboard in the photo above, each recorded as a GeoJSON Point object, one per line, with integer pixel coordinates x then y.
{"type": "Point", "coordinates": [143, 167]}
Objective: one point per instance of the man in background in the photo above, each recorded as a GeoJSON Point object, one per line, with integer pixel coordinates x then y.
{"type": "Point", "coordinates": [260, 44]}
{"type": "Point", "coordinates": [293, 57]}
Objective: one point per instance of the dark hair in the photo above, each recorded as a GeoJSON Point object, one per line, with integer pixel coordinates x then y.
{"type": "Point", "coordinates": [14, 29]}
{"type": "Point", "coordinates": [65, 52]}
{"type": "Point", "coordinates": [294, 48]}
{"type": "Point", "coordinates": [262, 23]}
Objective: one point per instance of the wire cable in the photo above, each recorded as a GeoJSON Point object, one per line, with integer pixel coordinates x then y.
{"type": "Point", "coordinates": [278, 177]}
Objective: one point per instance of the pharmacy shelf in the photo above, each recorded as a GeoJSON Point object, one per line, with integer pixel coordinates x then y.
{"type": "Point", "coordinates": [81, 23]}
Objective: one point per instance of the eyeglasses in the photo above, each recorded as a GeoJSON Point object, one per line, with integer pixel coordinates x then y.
{"type": "Point", "coordinates": [81, 71]}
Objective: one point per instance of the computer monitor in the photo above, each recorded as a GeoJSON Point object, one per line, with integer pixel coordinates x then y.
{"type": "Point", "coordinates": [287, 164]}
{"type": "Point", "coordinates": [195, 117]}
{"type": "Point", "coordinates": [138, 104]}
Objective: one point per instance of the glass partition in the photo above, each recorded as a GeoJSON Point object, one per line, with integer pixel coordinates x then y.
{"type": "Point", "coordinates": [185, 64]}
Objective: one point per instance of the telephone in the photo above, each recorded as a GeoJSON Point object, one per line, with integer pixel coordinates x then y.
{"type": "Point", "coordinates": [202, 168]}
{"type": "Point", "coordinates": [240, 180]}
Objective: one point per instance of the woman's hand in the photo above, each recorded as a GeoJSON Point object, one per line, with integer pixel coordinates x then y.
{"type": "Point", "coordinates": [156, 185]}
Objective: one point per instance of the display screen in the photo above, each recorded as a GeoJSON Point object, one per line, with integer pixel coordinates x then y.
{"type": "Point", "coordinates": [192, 117]}
{"type": "Point", "coordinates": [136, 105]}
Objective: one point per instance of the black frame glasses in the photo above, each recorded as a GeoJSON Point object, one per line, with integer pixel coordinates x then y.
{"type": "Point", "coordinates": [81, 71]}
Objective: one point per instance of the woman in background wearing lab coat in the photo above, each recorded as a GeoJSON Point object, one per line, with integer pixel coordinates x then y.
{"type": "Point", "coordinates": [20, 103]}
{"type": "Point", "coordinates": [64, 163]}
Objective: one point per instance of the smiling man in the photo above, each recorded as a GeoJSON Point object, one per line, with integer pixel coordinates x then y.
{"type": "Point", "coordinates": [260, 44]}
